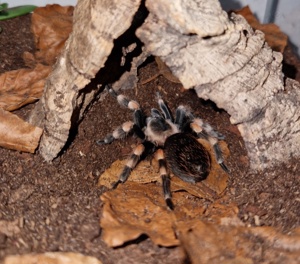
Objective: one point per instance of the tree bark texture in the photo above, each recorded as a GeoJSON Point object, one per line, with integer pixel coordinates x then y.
{"type": "Point", "coordinates": [95, 27]}
{"type": "Point", "coordinates": [227, 62]}
{"type": "Point", "coordinates": [221, 57]}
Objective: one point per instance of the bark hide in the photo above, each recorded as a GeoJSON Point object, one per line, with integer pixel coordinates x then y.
{"type": "Point", "coordinates": [221, 57]}
{"type": "Point", "coordinates": [227, 62]}
{"type": "Point", "coordinates": [96, 25]}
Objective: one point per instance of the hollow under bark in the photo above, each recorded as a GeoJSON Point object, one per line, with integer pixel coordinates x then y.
{"type": "Point", "coordinates": [221, 57]}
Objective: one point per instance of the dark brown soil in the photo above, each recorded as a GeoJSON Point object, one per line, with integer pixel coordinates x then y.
{"type": "Point", "coordinates": [56, 205]}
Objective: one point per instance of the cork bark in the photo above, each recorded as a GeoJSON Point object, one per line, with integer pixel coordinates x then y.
{"type": "Point", "coordinates": [69, 89]}
{"type": "Point", "coordinates": [219, 56]}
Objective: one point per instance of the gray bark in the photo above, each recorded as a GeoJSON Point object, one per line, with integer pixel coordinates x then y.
{"type": "Point", "coordinates": [96, 25]}
{"type": "Point", "coordinates": [227, 62]}
{"type": "Point", "coordinates": [221, 57]}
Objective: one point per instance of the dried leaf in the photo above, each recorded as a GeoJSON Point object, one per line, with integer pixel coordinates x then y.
{"type": "Point", "coordinates": [165, 71]}
{"type": "Point", "coordinates": [52, 258]}
{"type": "Point", "coordinates": [134, 209]}
{"type": "Point", "coordinates": [289, 242]}
{"type": "Point", "coordinates": [145, 172]}
{"type": "Point", "coordinates": [51, 26]}
{"type": "Point", "coordinates": [148, 171]}
{"type": "Point", "coordinates": [225, 239]}
{"type": "Point", "coordinates": [209, 233]}
{"type": "Point", "coordinates": [18, 134]}
{"type": "Point", "coordinates": [215, 235]}
{"type": "Point", "coordinates": [227, 244]}
{"type": "Point", "coordinates": [209, 243]}
{"type": "Point", "coordinates": [137, 207]}
{"type": "Point", "coordinates": [223, 212]}
{"type": "Point", "coordinates": [20, 87]}
{"type": "Point", "coordinates": [276, 39]}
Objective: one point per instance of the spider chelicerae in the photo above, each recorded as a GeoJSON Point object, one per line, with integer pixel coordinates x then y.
{"type": "Point", "coordinates": [173, 140]}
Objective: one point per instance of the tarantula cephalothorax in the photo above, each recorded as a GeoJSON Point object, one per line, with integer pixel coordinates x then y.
{"type": "Point", "coordinates": [174, 142]}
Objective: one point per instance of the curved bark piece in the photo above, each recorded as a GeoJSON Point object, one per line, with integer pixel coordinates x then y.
{"type": "Point", "coordinates": [229, 63]}
{"type": "Point", "coordinates": [96, 25]}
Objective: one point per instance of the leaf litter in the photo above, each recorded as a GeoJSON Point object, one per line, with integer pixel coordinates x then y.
{"type": "Point", "coordinates": [51, 26]}
{"type": "Point", "coordinates": [137, 207]}
{"type": "Point", "coordinates": [199, 220]}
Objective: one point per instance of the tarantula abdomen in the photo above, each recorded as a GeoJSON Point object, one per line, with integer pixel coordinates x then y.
{"type": "Point", "coordinates": [187, 158]}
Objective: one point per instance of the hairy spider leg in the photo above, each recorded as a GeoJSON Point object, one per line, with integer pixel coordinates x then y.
{"type": "Point", "coordinates": [164, 108]}
{"type": "Point", "coordinates": [122, 131]}
{"type": "Point", "coordinates": [139, 121]}
{"type": "Point", "coordinates": [130, 164]}
{"type": "Point", "coordinates": [160, 156]}
{"type": "Point", "coordinates": [182, 117]}
{"type": "Point", "coordinates": [136, 126]}
{"type": "Point", "coordinates": [124, 100]}
{"type": "Point", "coordinates": [138, 116]}
{"type": "Point", "coordinates": [155, 113]}
{"type": "Point", "coordinates": [206, 131]}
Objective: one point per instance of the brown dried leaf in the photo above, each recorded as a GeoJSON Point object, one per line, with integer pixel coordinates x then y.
{"type": "Point", "coordinates": [208, 232]}
{"type": "Point", "coordinates": [51, 26]}
{"type": "Point", "coordinates": [224, 238]}
{"type": "Point", "coordinates": [18, 134]}
{"type": "Point", "coordinates": [145, 172]}
{"type": "Point", "coordinates": [148, 171]}
{"type": "Point", "coordinates": [137, 207]}
{"type": "Point", "coordinates": [276, 39]}
{"type": "Point", "coordinates": [223, 212]}
{"type": "Point", "coordinates": [165, 71]}
{"type": "Point", "coordinates": [289, 242]}
{"type": "Point", "coordinates": [52, 258]}
{"type": "Point", "coordinates": [20, 87]}
{"type": "Point", "coordinates": [227, 244]}
{"type": "Point", "coordinates": [218, 244]}
{"type": "Point", "coordinates": [134, 209]}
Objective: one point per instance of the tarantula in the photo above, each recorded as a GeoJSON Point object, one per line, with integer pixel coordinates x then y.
{"type": "Point", "coordinates": [174, 142]}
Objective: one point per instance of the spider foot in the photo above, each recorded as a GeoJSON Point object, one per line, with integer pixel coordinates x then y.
{"type": "Point", "coordinates": [115, 184]}
{"type": "Point", "coordinates": [224, 167]}
{"type": "Point", "coordinates": [100, 142]}
{"type": "Point", "coordinates": [107, 140]}
{"type": "Point", "coordinates": [170, 204]}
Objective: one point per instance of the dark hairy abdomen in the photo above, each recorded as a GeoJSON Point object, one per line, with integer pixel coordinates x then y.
{"type": "Point", "coordinates": [187, 158]}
